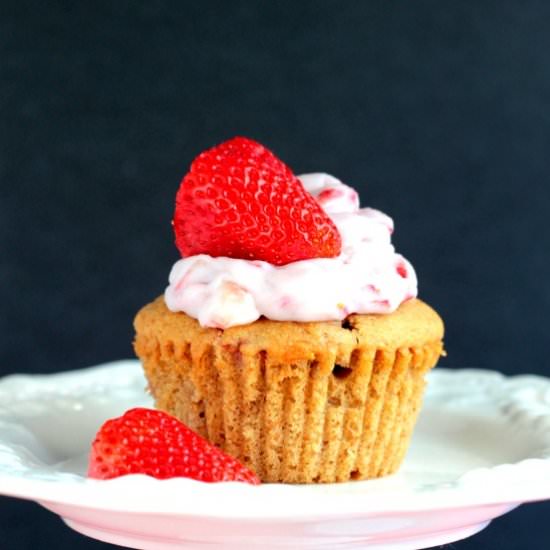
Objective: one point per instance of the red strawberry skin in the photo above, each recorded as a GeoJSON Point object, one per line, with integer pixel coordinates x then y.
{"type": "Point", "coordinates": [151, 442]}
{"type": "Point", "coordinates": [239, 200]}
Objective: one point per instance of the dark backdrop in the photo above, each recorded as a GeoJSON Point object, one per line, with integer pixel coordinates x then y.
{"type": "Point", "coordinates": [438, 111]}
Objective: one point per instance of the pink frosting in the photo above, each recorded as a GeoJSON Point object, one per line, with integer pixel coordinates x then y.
{"type": "Point", "coordinates": [367, 277]}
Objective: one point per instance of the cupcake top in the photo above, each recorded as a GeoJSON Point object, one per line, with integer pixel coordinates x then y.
{"type": "Point", "coordinates": [259, 241]}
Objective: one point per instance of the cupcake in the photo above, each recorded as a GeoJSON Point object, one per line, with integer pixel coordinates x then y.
{"type": "Point", "coordinates": [290, 334]}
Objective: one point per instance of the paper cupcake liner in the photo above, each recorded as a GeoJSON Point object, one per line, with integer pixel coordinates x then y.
{"type": "Point", "coordinates": [312, 421]}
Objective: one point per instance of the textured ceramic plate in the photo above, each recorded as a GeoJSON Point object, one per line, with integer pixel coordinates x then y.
{"type": "Point", "coordinates": [481, 447]}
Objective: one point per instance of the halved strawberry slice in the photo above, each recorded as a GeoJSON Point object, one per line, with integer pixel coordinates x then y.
{"type": "Point", "coordinates": [151, 442]}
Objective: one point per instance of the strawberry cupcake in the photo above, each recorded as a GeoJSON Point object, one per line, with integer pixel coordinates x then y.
{"type": "Point", "coordinates": [290, 334]}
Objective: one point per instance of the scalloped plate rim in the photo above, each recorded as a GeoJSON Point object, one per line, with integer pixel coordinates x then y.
{"type": "Point", "coordinates": [74, 490]}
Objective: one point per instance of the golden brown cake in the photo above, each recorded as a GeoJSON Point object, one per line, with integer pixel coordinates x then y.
{"type": "Point", "coordinates": [297, 402]}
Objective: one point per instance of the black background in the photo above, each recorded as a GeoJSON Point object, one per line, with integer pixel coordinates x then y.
{"type": "Point", "coordinates": [439, 112]}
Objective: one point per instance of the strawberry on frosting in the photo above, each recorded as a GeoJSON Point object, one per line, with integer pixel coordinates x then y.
{"type": "Point", "coordinates": [259, 241]}
{"type": "Point", "coordinates": [239, 200]}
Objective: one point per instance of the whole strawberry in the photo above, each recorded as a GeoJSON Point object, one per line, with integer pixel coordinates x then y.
{"type": "Point", "coordinates": [151, 442]}
{"type": "Point", "coordinates": [239, 200]}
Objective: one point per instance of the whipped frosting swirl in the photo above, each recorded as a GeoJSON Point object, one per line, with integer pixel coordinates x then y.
{"type": "Point", "coordinates": [367, 277]}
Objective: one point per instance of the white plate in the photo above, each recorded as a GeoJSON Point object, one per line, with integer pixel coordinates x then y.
{"type": "Point", "coordinates": [481, 447]}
